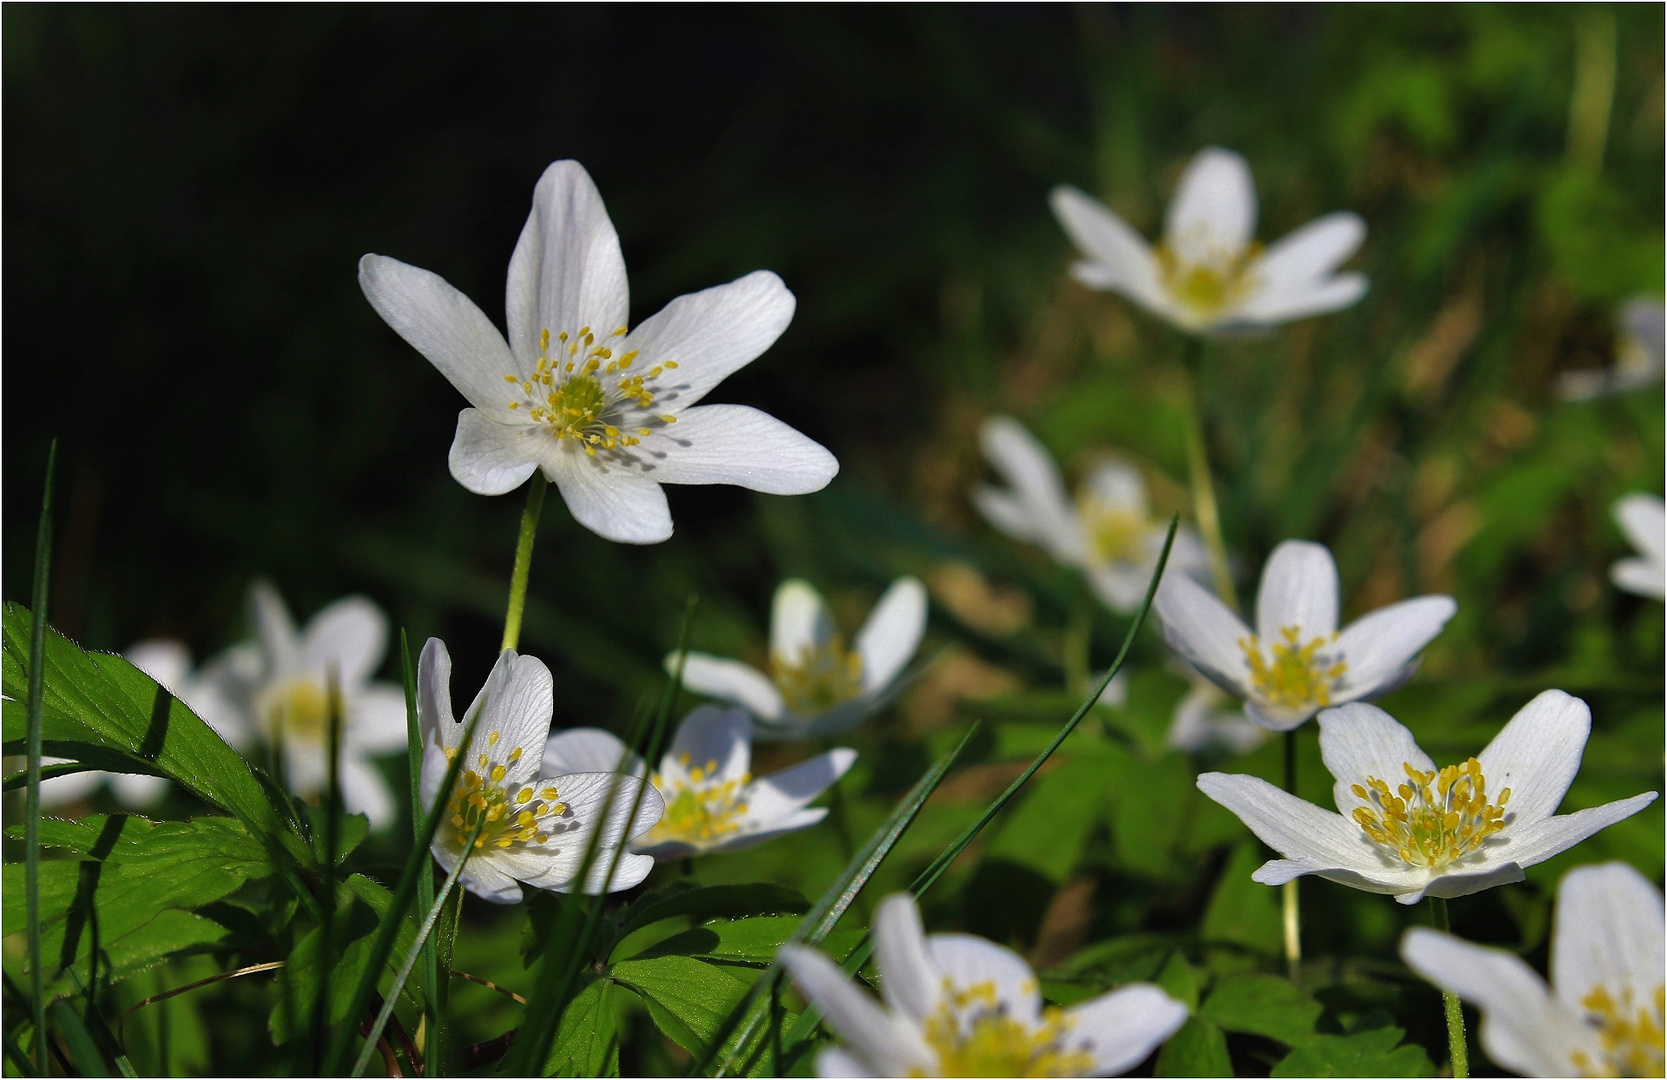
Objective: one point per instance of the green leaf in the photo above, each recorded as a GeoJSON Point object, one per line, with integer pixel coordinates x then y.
{"type": "Point", "coordinates": [83, 1052]}
{"type": "Point", "coordinates": [587, 1042]}
{"type": "Point", "coordinates": [1061, 806]}
{"type": "Point", "coordinates": [726, 901]}
{"type": "Point", "coordinates": [1241, 912]}
{"type": "Point", "coordinates": [747, 941]}
{"type": "Point", "coordinates": [1368, 1053]}
{"type": "Point", "coordinates": [1180, 980]}
{"type": "Point", "coordinates": [1198, 1049]}
{"type": "Point", "coordinates": [364, 908]}
{"type": "Point", "coordinates": [687, 999]}
{"type": "Point", "coordinates": [1263, 1005]}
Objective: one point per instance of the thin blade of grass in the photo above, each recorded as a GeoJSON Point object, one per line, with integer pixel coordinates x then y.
{"type": "Point", "coordinates": [404, 892]}
{"type": "Point", "coordinates": [32, 799]}
{"type": "Point", "coordinates": [82, 1050]}
{"type": "Point", "coordinates": [742, 1023]}
{"type": "Point", "coordinates": [327, 888]}
{"type": "Point", "coordinates": [807, 1021]}
{"type": "Point", "coordinates": [425, 877]}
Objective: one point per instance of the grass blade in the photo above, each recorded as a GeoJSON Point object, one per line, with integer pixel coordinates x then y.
{"type": "Point", "coordinates": [32, 799]}
{"type": "Point", "coordinates": [425, 878]}
{"type": "Point", "coordinates": [82, 1050]}
{"type": "Point", "coordinates": [332, 827]}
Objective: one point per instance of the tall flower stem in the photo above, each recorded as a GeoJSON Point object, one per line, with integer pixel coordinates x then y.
{"type": "Point", "coordinates": [1079, 633]}
{"type": "Point", "coordinates": [1198, 468]}
{"type": "Point", "coordinates": [523, 560]}
{"type": "Point", "coordinates": [1456, 1048]}
{"type": "Point", "coordinates": [1288, 891]}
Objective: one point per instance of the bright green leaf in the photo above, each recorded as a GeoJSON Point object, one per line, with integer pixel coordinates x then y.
{"type": "Point", "coordinates": [1368, 1053]}
{"type": "Point", "coordinates": [587, 1042]}
{"type": "Point", "coordinates": [1198, 1049]}
{"type": "Point", "coordinates": [688, 999]}
{"type": "Point", "coordinates": [1263, 1005]}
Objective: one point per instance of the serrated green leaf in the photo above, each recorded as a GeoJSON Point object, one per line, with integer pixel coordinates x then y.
{"type": "Point", "coordinates": [688, 999]}
{"type": "Point", "coordinates": [1368, 1053]}
{"type": "Point", "coordinates": [587, 1042]}
{"type": "Point", "coordinates": [1241, 912]}
{"type": "Point", "coordinates": [715, 901]}
{"type": "Point", "coordinates": [1265, 1005]}
{"type": "Point", "coordinates": [1198, 1049]}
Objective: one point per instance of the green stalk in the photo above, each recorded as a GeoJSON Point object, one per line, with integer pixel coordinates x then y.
{"type": "Point", "coordinates": [1203, 488]}
{"type": "Point", "coordinates": [523, 560]}
{"type": "Point", "coordinates": [419, 816]}
{"type": "Point", "coordinates": [32, 799]}
{"type": "Point", "coordinates": [1288, 891]}
{"type": "Point", "coordinates": [1456, 1048]}
{"type": "Point", "coordinates": [332, 823]}
{"type": "Point", "coordinates": [1079, 635]}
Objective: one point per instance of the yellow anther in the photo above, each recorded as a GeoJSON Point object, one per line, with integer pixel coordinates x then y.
{"type": "Point", "coordinates": [492, 739]}
{"type": "Point", "coordinates": [548, 793]}
{"type": "Point", "coordinates": [498, 772]}
{"type": "Point", "coordinates": [515, 754]}
{"type": "Point", "coordinates": [1299, 676]}
{"type": "Point", "coordinates": [1431, 826]}
{"type": "Point", "coordinates": [671, 364]}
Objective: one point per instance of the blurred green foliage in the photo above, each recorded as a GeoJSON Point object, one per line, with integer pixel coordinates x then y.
{"type": "Point", "coordinates": [187, 192]}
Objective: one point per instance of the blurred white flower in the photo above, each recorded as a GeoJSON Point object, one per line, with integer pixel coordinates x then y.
{"type": "Point", "coordinates": [1205, 720]}
{"type": "Point", "coordinates": [1208, 273]}
{"type": "Point", "coordinates": [1638, 356]}
{"type": "Point", "coordinates": [816, 685]}
{"type": "Point", "coordinates": [1406, 828]}
{"type": "Point", "coordinates": [538, 829]}
{"type": "Point", "coordinates": [1109, 534]}
{"type": "Point", "coordinates": [1603, 1013]}
{"type": "Point", "coordinates": [1296, 662]}
{"type": "Point", "coordinates": [1644, 520]}
{"type": "Point", "coordinates": [606, 412]}
{"type": "Point", "coordinates": [958, 1005]}
{"type": "Point", "coordinates": [712, 801]}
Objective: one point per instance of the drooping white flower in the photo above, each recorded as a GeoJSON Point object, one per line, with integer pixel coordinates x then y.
{"type": "Point", "coordinates": [1208, 273]}
{"type": "Point", "coordinates": [278, 694]}
{"type": "Point", "coordinates": [713, 803]}
{"type": "Point", "coordinates": [1296, 662]}
{"type": "Point", "coordinates": [1644, 520]}
{"type": "Point", "coordinates": [816, 686]}
{"type": "Point", "coordinates": [1639, 355]}
{"type": "Point", "coordinates": [1109, 533]}
{"type": "Point", "coordinates": [1602, 1014]}
{"type": "Point", "coordinates": [538, 830]}
{"type": "Point", "coordinates": [958, 1005]}
{"type": "Point", "coordinates": [1407, 828]}
{"type": "Point", "coordinates": [607, 412]}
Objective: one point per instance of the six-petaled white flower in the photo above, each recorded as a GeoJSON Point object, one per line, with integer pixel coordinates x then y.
{"type": "Point", "coordinates": [958, 1005]}
{"type": "Point", "coordinates": [1208, 273]}
{"type": "Point", "coordinates": [1407, 828]}
{"type": "Point", "coordinates": [1643, 518]}
{"type": "Point", "coordinates": [1296, 662]}
{"type": "Point", "coordinates": [816, 686]}
{"type": "Point", "coordinates": [607, 412]}
{"type": "Point", "coordinates": [532, 829]}
{"type": "Point", "coordinates": [713, 803]}
{"type": "Point", "coordinates": [1109, 533]}
{"type": "Point", "coordinates": [1602, 1014]}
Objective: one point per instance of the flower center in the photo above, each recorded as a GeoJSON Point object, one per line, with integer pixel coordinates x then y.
{"type": "Point", "coordinates": [1298, 676]}
{"type": "Point", "coordinates": [703, 810]}
{"type": "Point", "coordinates": [1114, 533]}
{"type": "Point", "coordinates": [524, 815]}
{"type": "Point", "coordinates": [1211, 283]}
{"type": "Point", "coordinates": [1631, 1034]}
{"type": "Point", "coordinates": [819, 678]}
{"type": "Point", "coordinates": [581, 391]}
{"type": "Point", "coordinates": [296, 710]}
{"type": "Point", "coordinates": [1427, 826]}
{"type": "Point", "coordinates": [995, 1044]}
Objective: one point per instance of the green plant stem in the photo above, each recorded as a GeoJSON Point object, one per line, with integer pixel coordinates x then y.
{"type": "Point", "coordinates": [1288, 891]}
{"type": "Point", "coordinates": [1204, 508]}
{"type": "Point", "coordinates": [419, 816]}
{"type": "Point", "coordinates": [327, 891]}
{"type": "Point", "coordinates": [32, 799]}
{"type": "Point", "coordinates": [523, 560]}
{"type": "Point", "coordinates": [1456, 1048]}
{"type": "Point", "coordinates": [1079, 634]}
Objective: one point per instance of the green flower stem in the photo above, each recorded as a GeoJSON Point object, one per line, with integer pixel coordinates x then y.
{"type": "Point", "coordinates": [523, 560]}
{"type": "Point", "coordinates": [32, 750]}
{"type": "Point", "coordinates": [1456, 1048]}
{"type": "Point", "coordinates": [1204, 508]}
{"type": "Point", "coordinates": [1288, 891]}
{"type": "Point", "coordinates": [1079, 633]}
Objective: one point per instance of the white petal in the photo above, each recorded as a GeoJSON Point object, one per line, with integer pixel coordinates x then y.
{"type": "Point", "coordinates": [365, 792]}
{"type": "Point", "coordinates": [434, 713]}
{"type": "Point", "coordinates": [376, 719]}
{"type": "Point", "coordinates": [1536, 755]}
{"type": "Point", "coordinates": [966, 961]}
{"type": "Point", "coordinates": [519, 701]}
{"type": "Point", "coordinates": [1116, 485]}
{"type": "Point", "coordinates": [1118, 258]}
{"type": "Point", "coordinates": [1293, 278]}
{"type": "Point", "coordinates": [1522, 1029]}
{"type": "Point", "coordinates": [735, 444]}
{"type": "Point", "coordinates": [832, 1061]}
{"type": "Point", "coordinates": [1214, 209]}
{"type": "Point", "coordinates": [799, 621]}
{"type": "Point", "coordinates": [1609, 933]}
{"type": "Point", "coordinates": [1049, 519]}
{"type": "Point", "coordinates": [889, 1046]}
{"type": "Point", "coordinates": [781, 793]}
{"type": "Point", "coordinates": [910, 981]}
{"type": "Point", "coordinates": [588, 749]}
{"type": "Point", "coordinates": [1639, 576]}
{"type": "Point", "coordinates": [1644, 520]}
{"type": "Point", "coordinates": [279, 643]}
{"type": "Point", "coordinates": [888, 640]}
{"type": "Point", "coordinates": [567, 272]}
{"type": "Point", "coordinates": [1299, 588]}
{"type": "Point", "coordinates": [1126, 1025]}
{"type": "Point", "coordinates": [729, 680]}
{"type": "Point", "coordinates": [1204, 631]}
{"type": "Point", "coordinates": [711, 334]}
{"type": "Point", "coordinates": [1333, 294]}
{"type": "Point", "coordinates": [612, 503]}
{"type": "Point", "coordinates": [486, 880]}
{"type": "Point", "coordinates": [601, 803]}
{"type": "Point", "coordinates": [717, 741]}
{"type": "Point", "coordinates": [1120, 586]}
{"type": "Point", "coordinates": [492, 458]}
{"type": "Point", "coordinates": [1539, 841]}
{"type": "Point", "coordinates": [350, 635]}
{"type": "Point", "coordinates": [755, 832]}
{"type": "Point", "coordinates": [1378, 646]}
{"type": "Point", "coordinates": [442, 324]}
{"type": "Point", "coordinates": [168, 662]}
{"type": "Point", "coordinates": [1297, 829]}
{"type": "Point", "coordinates": [1007, 512]}
{"type": "Point", "coordinates": [137, 790]}
{"type": "Point", "coordinates": [835, 721]}
{"type": "Point", "coordinates": [1358, 741]}
{"type": "Point", "coordinates": [1476, 875]}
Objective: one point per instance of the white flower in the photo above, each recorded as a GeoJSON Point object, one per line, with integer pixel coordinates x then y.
{"type": "Point", "coordinates": [1296, 662]}
{"type": "Point", "coordinates": [277, 693]}
{"type": "Point", "coordinates": [1201, 722]}
{"type": "Point", "coordinates": [1602, 1015]}
{"type": "Point", "coordinates": [538, 829]}
{"type": "Point", "coordinates": [1639, 359]}
{"type": "Point", "coordinates": [712, 801]}
{"type": "Point", "coordinates": [1644, 520]}
{"type": "Point", "coordinates": [1208, 273]}
{"type": "Point", "coordinates": [1406, 828]}
{"type": "Point", "coordinates": [1109, 534]}
{"type": "Point", "coordinates": [816, 685]}
{"type": "Point", "coordinates": [958, 1005]}
{"type": "Point", "coordinates": [606, 412]}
